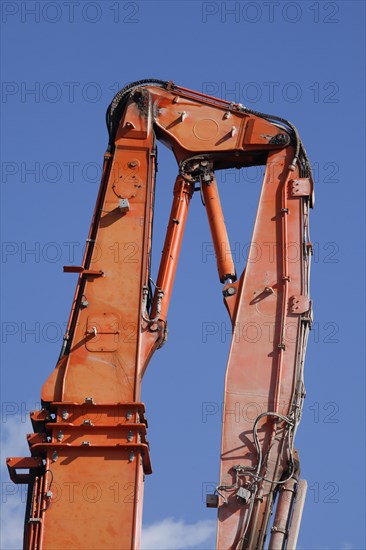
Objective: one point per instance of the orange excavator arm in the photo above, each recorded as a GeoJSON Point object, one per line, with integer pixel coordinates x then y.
{"type": "Point", "coordinates": [90, 447]}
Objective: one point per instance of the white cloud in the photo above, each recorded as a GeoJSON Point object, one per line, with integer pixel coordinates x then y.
{"type": "Point", "coordinates": [13, 497]}
{"type": "Point", "coordinates": [170, 534]}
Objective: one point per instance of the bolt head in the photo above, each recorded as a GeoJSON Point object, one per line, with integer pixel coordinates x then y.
{"type": "Point", "coordinates": [230, 291]}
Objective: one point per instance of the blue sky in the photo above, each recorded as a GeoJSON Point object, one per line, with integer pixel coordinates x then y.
{"type": "Point", "coordinates": [62, 63]}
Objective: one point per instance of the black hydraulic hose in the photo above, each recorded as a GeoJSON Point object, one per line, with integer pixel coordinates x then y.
{"type": "Point", "coordinates": [118, 102]}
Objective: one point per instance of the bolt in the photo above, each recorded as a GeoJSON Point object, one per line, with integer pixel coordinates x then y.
{"type": "Point", "coordinates": [230, 291]}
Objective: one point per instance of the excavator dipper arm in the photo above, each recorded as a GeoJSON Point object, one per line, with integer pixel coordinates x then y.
{"type": "Point", "coordinates": [89, 452]}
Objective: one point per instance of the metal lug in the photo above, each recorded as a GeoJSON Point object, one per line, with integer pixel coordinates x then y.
{"type": "Point", "coordinates": [243, 494]}
{"type": "Point", "coordinates": [212, 501]}
{"type": "Point", "coordinates": [124, 206]}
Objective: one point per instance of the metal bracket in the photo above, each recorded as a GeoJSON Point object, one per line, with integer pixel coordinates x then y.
{"type": "Point", "coordinates": [39, 419]}
{"type": "Point", "coordinates": [212, 501]}
{"type": "Point", "coordinates": [35, 520]}
{"type": "Point", "coordinates": [36, 438]}
{"type": "Point", "coordinates": [124, 206]}
{"type": "Point", "coordinates": [299, 304]}
{"type": "Point", "coordinates": [28, 463]}
{"type": "Point", "coordinates": [302, 187]}
{"type": "Point", "coordinates": [82, 271]}
{"type": "Point", "coordinates": [275, 529]}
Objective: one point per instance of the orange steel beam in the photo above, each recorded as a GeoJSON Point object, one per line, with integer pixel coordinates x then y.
{"type": "Point", "coordinates": [89, 452]}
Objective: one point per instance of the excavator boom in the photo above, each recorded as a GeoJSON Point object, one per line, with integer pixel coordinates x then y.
{"type": "Point", "coordinates": [89, 450]}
